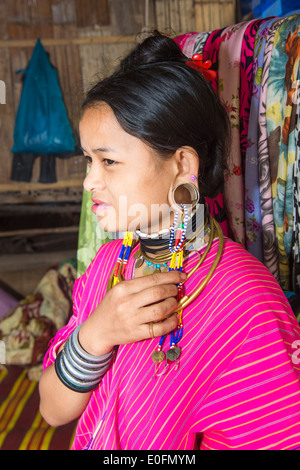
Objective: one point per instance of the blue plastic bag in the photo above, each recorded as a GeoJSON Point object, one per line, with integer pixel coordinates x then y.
{"type": "Point", "coordinates": [42, 125]}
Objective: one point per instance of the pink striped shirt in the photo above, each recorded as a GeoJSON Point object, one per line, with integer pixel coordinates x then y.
{"type": "Point", "coordinates": [237, 384]}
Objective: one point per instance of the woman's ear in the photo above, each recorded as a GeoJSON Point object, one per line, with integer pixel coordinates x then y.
{"type": "Point", "coordinates": [186, 161]}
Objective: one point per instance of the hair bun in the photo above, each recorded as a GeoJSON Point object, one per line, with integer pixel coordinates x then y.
{"type": "Point", "coordinates": [154, 49]}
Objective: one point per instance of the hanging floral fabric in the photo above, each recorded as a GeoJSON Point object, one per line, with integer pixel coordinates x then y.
{"type": "Point", "coordinates": [296, 196]}
{"type": "Point", "coordinates": [204, 44]}
{"type": "Point", "coordinates": [281, 110]}
{"type": "Point", "coordinates": [268, 227]}
{"type": "Point", "coordinates": [253, 215]}
{"type": "Point", "coordinates": [246, 81]}
{"type": "Point", "coordinates": [229, 91]}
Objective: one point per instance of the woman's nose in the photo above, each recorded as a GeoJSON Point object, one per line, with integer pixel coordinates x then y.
{"type": "Point", "coordinates": [93, 180]}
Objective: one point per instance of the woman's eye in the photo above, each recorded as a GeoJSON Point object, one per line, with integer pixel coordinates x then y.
{"type": "Point", "coordinates": [105, 161]}
{"type": "Point", "coordinates": [88, 159]}
{"type": "Point", "coordinates": [108, 162]}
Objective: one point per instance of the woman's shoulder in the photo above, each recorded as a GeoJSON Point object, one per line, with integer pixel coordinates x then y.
{"type": "Point", "coordinates": [241, 288]}
{"type": "Point", "coordinates": [238, 272]}
{"type": "Point", "coordinates": [106, 253]}
{"type": "Point", "coordinates": [109, 248]}
{"type": "Point", "coordinates": [237, 262]}
{"type": "Point", "coordinates": [237, 257]}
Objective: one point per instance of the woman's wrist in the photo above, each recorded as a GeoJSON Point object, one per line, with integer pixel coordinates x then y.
{"type": "Point", "coordinates": [79, 370]}
{"type": "Point", "coordinates": [91, 341]}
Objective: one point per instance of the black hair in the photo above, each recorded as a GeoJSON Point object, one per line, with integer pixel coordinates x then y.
{"type": "Point", "coordinates": [156, 97]}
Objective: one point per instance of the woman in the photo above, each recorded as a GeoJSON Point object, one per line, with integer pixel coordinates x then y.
{"type": "Point", "coordinates": [180, 339]}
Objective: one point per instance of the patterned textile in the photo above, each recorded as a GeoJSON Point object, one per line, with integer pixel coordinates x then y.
{"type": "Point", "coordinates": [229, 92]}
{"type": "Point", "coordinates": [281, 112]}
{"type": "Point", "coordinates": [206, 44]}
{"type": "Point", "coordinates": [27, 329]}
{"type": "Point", "coordinates": [269, 221]}
{"type": "Point", "coordinates": [268, 228]}
{"type": "Point", "coordinates": [21, 424]}
{"type": "Point", "coordinates": [235, 387]}
{"type": "Point", "coordinates": [246, 81]}
{"type": "Point", "coordinates": [296, 196]}
{"type": "Point", "coordinates": [296, 246]}
{"type": "Point", "coordinates": [252, 195]}
{"type": "Point", "coordinates": [186, 42]}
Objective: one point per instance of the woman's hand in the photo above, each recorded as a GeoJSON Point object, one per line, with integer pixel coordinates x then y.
{"type": "Point", "coordinates": [122, 317]}
{"type": "Point", "coordinates": [125, 312]}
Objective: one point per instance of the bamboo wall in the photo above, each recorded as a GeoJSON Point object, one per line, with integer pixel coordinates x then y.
{"type": "Point", "coordinates": [84, 38]}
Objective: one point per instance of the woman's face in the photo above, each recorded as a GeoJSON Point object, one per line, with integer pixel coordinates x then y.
{"type": "Point", "coordinates": [130, 184]}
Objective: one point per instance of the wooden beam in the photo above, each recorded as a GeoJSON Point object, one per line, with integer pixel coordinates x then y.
{"type": "Point", "coordinates": [68, 41]}
{"type": "Point", "coordinates": [25, 187]}
{"type": "Point", "coordinates": [32, 193]}
{"type": "Point", "coordinates": [38, 231]}
{"type": "Point", "coordinates": [12, 210]}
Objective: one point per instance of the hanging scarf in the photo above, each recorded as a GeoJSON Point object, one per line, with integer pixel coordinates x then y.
{"type": "Point", "coordinates": [296, 195]}
{"type": "Point", "coordinates": [264, 164]}
{"type": "Point", "coordinates": [207, 44]}
{"type": "Point", "coordinates": [246, 78]}
{"type": "Point", "coordinates": [253, 216]}
{"type": "Point", "coordinates": [281, 111]}
{"type": "Point", "coordinates": [229, 91]}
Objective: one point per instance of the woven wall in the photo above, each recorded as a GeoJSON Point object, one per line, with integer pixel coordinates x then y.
{"type": "Point", "coordinates": [84, 38]}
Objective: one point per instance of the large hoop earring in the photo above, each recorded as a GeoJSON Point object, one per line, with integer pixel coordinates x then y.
{"type": "Point", "coordinates": [187, 194]}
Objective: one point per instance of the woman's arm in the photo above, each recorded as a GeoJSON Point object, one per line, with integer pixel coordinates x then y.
{"type": "Point", "coordinates": [122, 317]}
{"type": "Point", "coordinates": [58, 404]}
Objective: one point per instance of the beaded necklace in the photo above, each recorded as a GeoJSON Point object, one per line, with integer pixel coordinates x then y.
{"type": "Point", "coordinates": [158, 244]}
{"type": "Point", "coordinates": [125, 250]}
{"type": "Point", "coordinates": [173, 353]}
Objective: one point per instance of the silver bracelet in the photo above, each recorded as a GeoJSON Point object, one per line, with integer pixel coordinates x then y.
{"type": "Point", "coordinates": [84, 354]}
{"type": "Point", "coordinates": [82, 358]}
{"type": "Point", "coordinates": [74, 379]}
{"type": "Point", "coordinates": [79, 370]}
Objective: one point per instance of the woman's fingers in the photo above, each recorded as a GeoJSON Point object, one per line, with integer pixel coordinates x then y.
{"type": "Point", "coordinates": [139, 284]}
{"type": "Point", "coordinates": [153, 295]}
{"type": "Point", "coordinates": [155, 330]}
{"type": "Point", "coordinates": [159, 311]}
{"type": "Point", "coordinates": [132, 305]}
{"type": "Point", "coordinates": [158, 292]}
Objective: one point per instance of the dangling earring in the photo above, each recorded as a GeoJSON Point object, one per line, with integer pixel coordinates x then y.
{"type": "Point", "coordinates": [183, 195]}
{"type": "Point", "coordinates": [176, 248]}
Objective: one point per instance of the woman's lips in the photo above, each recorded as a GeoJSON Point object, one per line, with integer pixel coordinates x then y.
{"type": "Point", "coordinates": [99, 204]}
{"type": "Point", "coordinates": [97, 201]}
